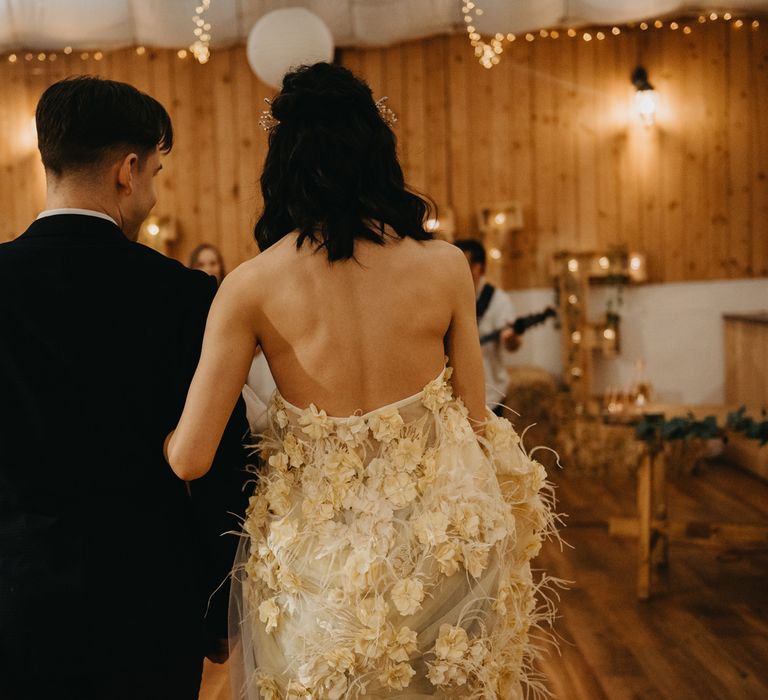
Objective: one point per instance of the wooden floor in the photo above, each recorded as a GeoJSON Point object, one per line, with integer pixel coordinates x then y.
{"type": "Point", "coordinates": [704, 636]}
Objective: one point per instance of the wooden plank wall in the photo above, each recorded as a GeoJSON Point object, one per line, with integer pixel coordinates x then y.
{"type": "Point", "coordinates": [550, 127]}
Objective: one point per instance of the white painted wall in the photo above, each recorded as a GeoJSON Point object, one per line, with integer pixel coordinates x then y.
{"type": "Point", "coordinates": [676, 328]}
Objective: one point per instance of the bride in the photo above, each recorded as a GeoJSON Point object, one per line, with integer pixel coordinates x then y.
{"type": "Point", "coordinates": [381, 555]}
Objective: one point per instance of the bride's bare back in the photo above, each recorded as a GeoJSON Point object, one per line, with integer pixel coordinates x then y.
{"type": "Point", "coordinates": [347, 336]}
{"type": "Point", "coordinates": [356, 334]}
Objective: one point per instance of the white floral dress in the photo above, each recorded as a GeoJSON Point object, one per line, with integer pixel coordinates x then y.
{"type": "Point", "coordinates": [382, 558]}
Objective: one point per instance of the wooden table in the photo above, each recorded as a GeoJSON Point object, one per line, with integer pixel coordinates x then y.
{"type": "Point", "coordinates": [652, 526]}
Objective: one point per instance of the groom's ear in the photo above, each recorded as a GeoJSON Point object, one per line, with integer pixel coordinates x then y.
{"type": "Point", "coordinates": [125, 172]}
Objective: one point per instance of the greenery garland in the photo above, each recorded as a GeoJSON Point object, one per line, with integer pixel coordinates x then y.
{"type": "Point", "coordinates": [654, 428]}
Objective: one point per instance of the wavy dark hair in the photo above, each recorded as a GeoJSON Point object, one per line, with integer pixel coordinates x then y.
{"type": "Point", "coordinates": [331, 171]}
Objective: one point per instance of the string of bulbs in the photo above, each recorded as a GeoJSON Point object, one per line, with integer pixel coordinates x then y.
{"type": "Point", "coordinates": [488, 53]}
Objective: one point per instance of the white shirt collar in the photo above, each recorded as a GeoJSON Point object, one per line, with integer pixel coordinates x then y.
{"type": "Point", "coordinates": [80, 212]}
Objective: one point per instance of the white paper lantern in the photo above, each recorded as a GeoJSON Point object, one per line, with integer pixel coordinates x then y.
{"type": "Point", "coordinates": [284, 39]}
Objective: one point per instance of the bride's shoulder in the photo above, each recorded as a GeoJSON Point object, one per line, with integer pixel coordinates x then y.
{"type": "Point", "coordinates": [443, 258]}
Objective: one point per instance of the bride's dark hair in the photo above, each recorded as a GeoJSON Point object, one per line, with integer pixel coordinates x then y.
{"type": "Point", "coordinates": [331, 171]}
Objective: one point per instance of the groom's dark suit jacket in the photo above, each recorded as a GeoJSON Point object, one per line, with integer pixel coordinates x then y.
{"type": "Point", "coordinates": [106, 557]}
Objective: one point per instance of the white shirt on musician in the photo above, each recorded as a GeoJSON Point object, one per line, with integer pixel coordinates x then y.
{"type": "Point", "coordinates": [500, 313]}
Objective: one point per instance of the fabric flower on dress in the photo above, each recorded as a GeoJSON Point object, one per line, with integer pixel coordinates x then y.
{"type": "Point", "coordinates": [407, 595]}
{"type": "Point", "coordinates": [403, 645]}
{"type": "Point", "coordinates": [256, 513]}
{"type": "Point", "coordinates": [317, 509]}
{"type": "Point", "coordinates": [282, 534]}
{"type": "Point", "coordinates": [269, 612]}
{"type": "Point", "coordinates": [400, 489]}
{"type": "Point", "coordinates": [296, 691]}
{"type": "Point", "coordinates": [386, 426]}
{"type": "Point", "coordinates": [279, 461]}
{"type": "Point", "coordinates": [450, 650]}
{"type": "Point", "coordinates": [353, 431]}
{"type": "Point", "coordinates": [429, 469]}
{"type": "Point", "coordinates": [294, 449]}
{"type": "Point", "coordinates": [436, 394]}
{"type": "Point", "coordinates": [466, 519]}
{"type": "Point", "coordinates": [448, 558]}
{"type": "Point", "coordinates": [397, 676]}
{"type": "Point", "coordinates": [281, 418]}
{"type": "Point", "coordinates": [268, 687]}
{"type": "Point", "coordinates": [430, 527]}
{"type": "Point", "coordinates": [475, 557]}
{"type": "Point", "coordinates": [278, 495]}
{"type": "Point", "coordinates": [405, 454]}
{"type": "Point", "coordinates": [315, 422]}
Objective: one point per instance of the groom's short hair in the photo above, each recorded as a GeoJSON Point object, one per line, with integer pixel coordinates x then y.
{"type": "Point", "coordinates": [85, 121]}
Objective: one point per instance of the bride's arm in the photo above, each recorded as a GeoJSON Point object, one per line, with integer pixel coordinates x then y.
{"type": "Point", "coordinates": [228, 347]}
{"type": "Point", "coordinates": [462, 342]}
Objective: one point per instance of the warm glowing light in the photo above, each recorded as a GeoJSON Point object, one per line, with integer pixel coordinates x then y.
{"type": "Point", "coordinates": [181, 53]}
{"type": "Point", "coordinates": [713, 16]}
{"type": "Point", "coordinates": [687, 30]}
{"type": "Point", "coordinates": [67, 50]}
{"type": "Point", "coordinates": [140, 50]}
{"type": "Point", "coordinates": [609, 334]}
{"type": "Point", "coordinates": [573, 265]}
{"type": "Point", "coordinates": [600, 36]}
{"type": "Point", "coordinates": [755, 24]}
{"type": "Point", "coordinates": [727, 16]}
{"type": "Point", "coordinates": [635, 262]}
{"type": "Point", "coordinates": [674, 25]}
{"type": "Point", "coordinates": [571, 33]}
{"type": "Point", "coordinates": [84, 56]}
{"type": "Point", "coordinates": [615, 31]}
{"type": "Point", "coordinates": [604, 263]}
{"type": "Point", "coordinates": [576, 337]}
{"type": "Point", "coordinates": [738, 24]}
{"type": "Point", "coordinates": [432, 225]}
{"type": "Point", "coordinates": [41, 57]}
{"type": "Point", "coordinates": [576, 371]}
{"type": "Point", "coordinates": [646, 102]}
{"type": "Point", "coordinates": [495, 253]}
{"type": "Point", "coordinates": [500, 219]}
{"type": "Point", "coordinates": [529, 37]}
{"type": "Point", "coordinates": [153, 229]}
{"type": "Point", "coordinates": [572, 299]}
{"type": "Point", "coordinates": [554, 34]}
{"type": "Point", "coordinates": [98, 55]}
{"type": "Point", "coordinates": [12, 58]}
{"type": "Point", "coordinates": [658, 24]}
{"type": "Point", "coordinates": [587, 36]}
{"type": "Point", "coordinates": [702, 19]}
{"type": "Point", "coordinates": [543, 33]}
{"type": "Point", "coordinates": [643, 26]}
{"type": "Point", "coordinates": [511, 37]}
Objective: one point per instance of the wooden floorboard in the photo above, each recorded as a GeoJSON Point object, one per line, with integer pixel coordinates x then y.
{"type": "Point", "coordinates": [704, 634]}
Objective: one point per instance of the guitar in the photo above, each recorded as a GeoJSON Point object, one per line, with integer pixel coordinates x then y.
{"type": "Point", "coordinates": [520, 325]}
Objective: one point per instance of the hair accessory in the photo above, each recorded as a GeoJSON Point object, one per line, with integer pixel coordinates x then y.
{"type": "Point", "coordinates": [267, 121]}
{"type": "Point", "coordinates": [389, 117]}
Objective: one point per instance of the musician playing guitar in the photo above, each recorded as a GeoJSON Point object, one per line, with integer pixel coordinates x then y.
{"type": "Point", "coordinates": [495, 312]}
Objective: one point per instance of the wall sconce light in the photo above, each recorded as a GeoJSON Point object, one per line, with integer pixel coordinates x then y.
{"type": "Point", "coordinates": [646, 98]}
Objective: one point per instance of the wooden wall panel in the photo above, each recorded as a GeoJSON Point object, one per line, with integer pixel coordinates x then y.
{"type": "Point", "coordinates": [550, 127]}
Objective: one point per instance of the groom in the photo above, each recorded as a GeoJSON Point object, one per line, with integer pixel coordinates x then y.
{"type": "Point", "coordinates": [107, 559]}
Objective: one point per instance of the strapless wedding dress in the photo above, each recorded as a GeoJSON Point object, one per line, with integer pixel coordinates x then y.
{"type": "Point", "coordinates": [387, 555]}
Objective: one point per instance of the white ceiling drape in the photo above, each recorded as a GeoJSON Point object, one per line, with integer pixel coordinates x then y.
{"type": "Point", "coordinates": [53, 24]}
